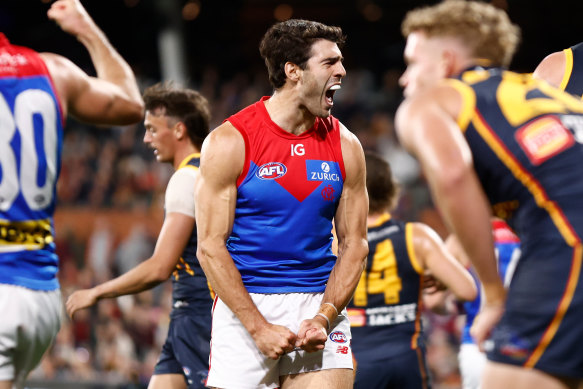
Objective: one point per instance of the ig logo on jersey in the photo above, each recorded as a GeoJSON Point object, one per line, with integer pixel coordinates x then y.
{"type": "Point", "coordinates": [271, 171]}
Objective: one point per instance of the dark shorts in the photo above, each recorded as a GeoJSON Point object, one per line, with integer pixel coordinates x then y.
{"type": "Point", "coordinates": [403, 371]}
{"type": "Point", "coordinates": [542, 325]}
{"type": "Point", "coordinates": [187, 348]}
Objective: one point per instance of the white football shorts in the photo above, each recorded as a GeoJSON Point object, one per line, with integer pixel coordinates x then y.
{"type": "Point", "coordinates": [472, 362]}
{"type": "Point", "coordinates": [236, 362]}
{"type": "Point", "coordinates": [30, 321]}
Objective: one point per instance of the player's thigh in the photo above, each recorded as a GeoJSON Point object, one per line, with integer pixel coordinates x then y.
{"type": "Point", "coordinates": [322, 379]}
{"type": "Point", "coordinates": [167, 381]}
{"type": "Point", "coordinates": [505, 376]}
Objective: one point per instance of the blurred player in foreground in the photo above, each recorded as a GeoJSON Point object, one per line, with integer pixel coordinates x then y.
{"type": "Point", "coordinates": [486, 136]}
{"type": "Point", "coordinates": [37, 92]}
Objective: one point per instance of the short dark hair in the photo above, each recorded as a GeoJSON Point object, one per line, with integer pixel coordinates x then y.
{"type": "Point", "coordinates": [185, 105]}
{"type": "Point", "coordinates": [291, 41]}
{"type": "Point", "coordinates": [383, 190]}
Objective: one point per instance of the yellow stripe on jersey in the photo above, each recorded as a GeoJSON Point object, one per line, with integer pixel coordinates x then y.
{"type": "Point", "coordinates": [568, 68]}
{"type": "Point", "coordinates": [561, 310]}
{"type": "Point", "coordinates": [411, 248]}
{"type": "Point", "coordinates": [30, 234]}
{"type": "Point", "coordinates": [558, 219]}
{"type": "Point", "coordinates": [187, 159]}
{"type": "Point", "coordinates": [468, 102]}
{"type": "Point", "coordinates": [381, 219]}
{"type": "Point", "coordinates": [522, 175]}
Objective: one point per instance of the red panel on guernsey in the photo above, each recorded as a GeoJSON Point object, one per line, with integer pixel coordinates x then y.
{"type": "Point", "coordinates": [266, 142]}
{"type": "Point", "coordinates": [19, 61]}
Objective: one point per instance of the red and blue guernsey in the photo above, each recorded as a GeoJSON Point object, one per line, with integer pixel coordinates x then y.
{"type": "Point", "coordinates": [287, 196]}
{"type": "Point", "coordinates": [31, 130]}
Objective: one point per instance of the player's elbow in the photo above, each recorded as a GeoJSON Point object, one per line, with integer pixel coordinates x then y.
{"type": "Point", "coordinates": [207, 250]}
{"type": "Point", "coordinates": [133, 112]}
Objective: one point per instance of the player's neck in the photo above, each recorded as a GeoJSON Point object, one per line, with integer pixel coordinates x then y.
{"type": "Point", "coordinates": [183, 152]}
{"type": "Point", "coordinates": [285, 110]}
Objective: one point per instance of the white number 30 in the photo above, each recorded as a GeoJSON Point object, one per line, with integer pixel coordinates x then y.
{"type": "Point", "coordinates": [37, 150]}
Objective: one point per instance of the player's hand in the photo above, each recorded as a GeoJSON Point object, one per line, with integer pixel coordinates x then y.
{"type": "Point", "coordinates": [432, 285]}
{"type": "Point", "coordinates": [489, 315]}
{"type": "Point", "coordinates": [311, 336]}
{"type": "Point", "coordinates": [274, 340]}
{"type": "Point", "coordinates": [71, 17]}
{"type": "Point", "coordinates": [79, 300]}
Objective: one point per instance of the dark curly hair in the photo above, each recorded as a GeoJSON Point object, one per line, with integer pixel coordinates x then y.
{"type": "Point", "coordinates": [291, 41]}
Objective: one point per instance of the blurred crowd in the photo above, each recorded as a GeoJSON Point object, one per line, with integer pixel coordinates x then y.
{"type": "Point", "coordinates": [110, 172]}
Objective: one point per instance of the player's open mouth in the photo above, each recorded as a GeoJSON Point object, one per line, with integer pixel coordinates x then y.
{"type": "Point", "coordinates": [330, 94]}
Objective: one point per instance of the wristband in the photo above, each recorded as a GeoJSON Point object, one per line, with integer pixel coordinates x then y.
{"type": "Point", "coordinates": [333, 306]}
{"type": "Point", "coordinates": [329, 312]}
{"type": "Point", "coordinates": [327, 320]}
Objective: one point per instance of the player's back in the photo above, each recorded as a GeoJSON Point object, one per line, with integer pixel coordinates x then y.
{"type": "Point", "coordinates": [31, 128]}
{"type": "Point", "coordinates": [525, 139]}
{"type": "Point", "coordinates": [385, 308]}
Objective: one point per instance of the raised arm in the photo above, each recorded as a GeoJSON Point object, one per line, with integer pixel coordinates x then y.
{"type": "Point", "coordinates": [350, 223]}
{"type": "Point", "coordinates": [432, 252]}
{"type": "Point", "coordinates": [222, 160]}
{"type": "Point", "coordinates": [426, 127]}
{"type": "Point", "coordinates": [113, 97]}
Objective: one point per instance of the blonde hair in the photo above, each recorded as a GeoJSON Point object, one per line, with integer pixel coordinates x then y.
{"type": "Point", "coordinates": [484, 29]}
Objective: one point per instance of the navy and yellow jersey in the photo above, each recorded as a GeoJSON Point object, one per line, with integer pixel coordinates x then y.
{"type": "Point", "coordinates": [573, 74]}
{"type": "Point", "coordinates": [190, 286]}
{"type": "Point", "coordinates": [384, 312]}
{"type": "Point", "coordinates": [31, 136]}
{"type": "Point", "coordinates": [525, 137]}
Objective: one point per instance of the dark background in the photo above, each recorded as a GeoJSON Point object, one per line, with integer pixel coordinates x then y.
{"type": "Point", "coordinates": [226, 34]}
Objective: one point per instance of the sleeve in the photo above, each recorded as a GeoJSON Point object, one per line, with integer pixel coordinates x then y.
{"type": "Point", "coordinates": [180, 192]}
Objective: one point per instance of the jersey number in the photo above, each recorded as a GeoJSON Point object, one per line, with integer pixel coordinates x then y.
{"type": "Point", "coordinates": [383, 276]}
{"type": "Point", "coordinates": [37, 149]}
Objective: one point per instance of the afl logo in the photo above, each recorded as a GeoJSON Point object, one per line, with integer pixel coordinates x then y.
{"type": "Point", "coordinates": [271, 171]}
{"type": "Point", "coordinates": [338, 337]}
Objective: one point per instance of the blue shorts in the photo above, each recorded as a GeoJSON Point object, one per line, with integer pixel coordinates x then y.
{"type": "Point", "coordinates": [187, 347]}
{"type": "Point", "coordinates": [541, 327]}
{"type": "Point", "coordinates": [407, 370]}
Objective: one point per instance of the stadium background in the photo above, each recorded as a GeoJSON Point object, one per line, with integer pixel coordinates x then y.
{"type": "Point", "coordinates": [111, 189]}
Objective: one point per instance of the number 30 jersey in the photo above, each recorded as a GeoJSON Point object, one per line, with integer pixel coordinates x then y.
{"type": "Point", "coordinates": [384, 312]}
{"type": "Point", "coordinates": [31, 128]}
{"type": "Point", "coordinates": [287, 196]}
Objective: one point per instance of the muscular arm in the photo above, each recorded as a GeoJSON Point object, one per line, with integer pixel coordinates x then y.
{"type": "Point", "coordinates": [552, 69]}
{"type": "Point", "coordinates": [426, 127]}
{"type": "Point", "coordinates": [430, 249]}
{"type": "Point", "coordinates": [113, 97]}
{"type": "Point", "coordinates": [350, 224]}
{"type": "Point", "coordinates": [222, 160]}
{"type": "Point", "coordinates": [173, 238]}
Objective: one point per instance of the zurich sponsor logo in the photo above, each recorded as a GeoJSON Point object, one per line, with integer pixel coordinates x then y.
{"type": "Point", "coordinates": [271, 171]}
{"type": "Point", "coordinates": [325, 167]}
{"type": "Point", "coordinates": [338, 337]}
